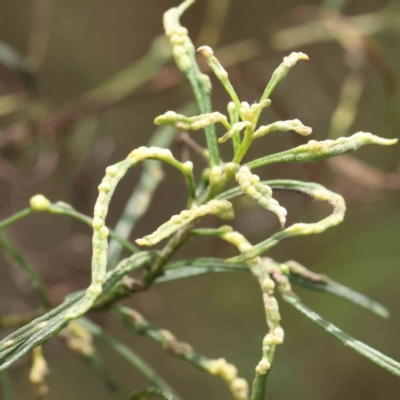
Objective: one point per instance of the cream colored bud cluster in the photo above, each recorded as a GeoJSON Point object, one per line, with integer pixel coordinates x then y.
{"type": "Point", "coordinates": [259, 106]}
{"type": "Point", "coordinates": [213, 62]}
{"type": "Point", "coordinates": [216, 177]}
{"type": "Point", "coordinates": [339, 209]}
{"type": "Point", "coordinates": [39, 203]}
{"type": "Point", "coordinates": [229, 373]}
{"type": "Point", "coordinates": [245, 110]}
{"type": "Point", "coordinates": [235, 238]}
{"type": "Point", "coordinates": [242, 244]}
{"type": "Point", "coordinates": [315, 150]}
{"type": "Point", "coordinates": [143, 153]}
{"type": "Point", "coordinates": [249, 112]}
{"type": "Point", "coordinates": [350, 143]}
{"type": "Point", "coordinates": [262, 194]}
{"type": "Point", "coordinates": [236, 128]}
{"type": "Point", "coordinates": [78, 339]}
{"type": "Point", "coordinates": [283, 69]}
{"type": "Point", "coordinates": [273, 318]}
{"type": "Point", "coordinates": [178, 37]}
{"type": "Point", "coordinates": [221, 208]}
{"type": "Point", "coordinates": [284, 126]}
{"type": "Point", "coordinates": [182, 47]}
{"type": "Point", "coordinates": [114, 174]}
{"type": "Point", "coordinates": [197, 122]}
{"type": "Point", "coordinates": [300, 229]}
{"type": "Point", "coordinates": [291, 60]}
{"type": "Point", "coordinates": [39, 371]}
{"type": "Point", "coordinates": [271, 340]}
{"type": "Point", "coordinates": [275, 335]}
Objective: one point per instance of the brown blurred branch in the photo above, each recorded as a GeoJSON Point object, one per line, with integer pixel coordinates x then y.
{"type": "Point", "coordinates": [39, 35]}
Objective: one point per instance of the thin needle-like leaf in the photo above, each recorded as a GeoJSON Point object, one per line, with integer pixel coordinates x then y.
{"type": "Point", "coordinates": [132, 358]}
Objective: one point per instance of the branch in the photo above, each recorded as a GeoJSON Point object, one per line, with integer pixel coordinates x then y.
{"type": "Point", "coordinates": [131, 357]}
{"type": "Point", "coordinates": [185, 57]}
{"type": "Point", "coordinates": [133, 320]}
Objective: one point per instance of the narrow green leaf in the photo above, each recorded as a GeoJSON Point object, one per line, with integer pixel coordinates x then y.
{"type": "Point", "coordinates": [190, 268]}
{"type": "Point", "coordinates": [374, 355]}
{"type": "Point", "coordinates": [330, 286]}
{"type": "Point", "coordinates": [185, 57]}
{"type": "Point", "coordinates": [36, 332]}
{"type": "Point", "coordinates": [317, 151]}
{"type": "Point", "coordinates": [316, 191]}
{"type": "Point", "coordinates": [126, 353]}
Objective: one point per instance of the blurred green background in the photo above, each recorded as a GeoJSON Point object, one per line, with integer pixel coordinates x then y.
{"type": "Point", "coordinates": [56, 139]}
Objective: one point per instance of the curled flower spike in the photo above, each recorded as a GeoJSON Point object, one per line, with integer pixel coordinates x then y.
{"type": "Point", "coordinates": [184, 123]}
{"type": "Point", "coordinates": [262, 194]}
{"type": "Point", "coordinates": [221, 208]}
{"type": "Point", "coordinates": [277, 271]}
{"type": "Point", "coordinates": [291, 125]}
{"type": "Point", "coordinates": [229, 373]}
{"type": "Point", "coordinates": [114, 174]}
{"type": "Point", "coordinates": [182, 46]}
{"type": "Point", "coordinates": [220, 73]}
{"type": "Point", "coordinates": [256, 265]}
{"type": "Point", "coordinates": [185, 57]}
{"type": "Point", "coordinates": [288, 62]}
{"type": "Point", "coordinates": [317, 151]}
{"type": "Point", "coordinates": [319, 193]}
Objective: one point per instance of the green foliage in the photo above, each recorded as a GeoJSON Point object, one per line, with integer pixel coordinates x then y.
{"type": "Point", "coordinates": [209, 196]}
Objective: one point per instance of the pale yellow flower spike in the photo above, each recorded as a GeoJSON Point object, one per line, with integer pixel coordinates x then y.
{"type": "Point", "coordinates": [221, 208]}
{"type": "Point", "coordinates": [262, 194]}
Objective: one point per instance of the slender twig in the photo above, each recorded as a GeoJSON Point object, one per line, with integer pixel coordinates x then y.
{"type": "Point", "coordinates": [133, 320]}
{"type": "Point", "coordinates": [131, 357]}
{"type": "Point", "coordinates": [39, 35]}
{"type": "Point", "coordinates": [141, 197]}
{"type": "Point", "coordinates": [80, 341]}
{"type": "Point", "coordinates": [15, 217]}
{"type": "Point", "coordinates": [185, 57]}
{"type": "Point", "coordinates": [37, 331]}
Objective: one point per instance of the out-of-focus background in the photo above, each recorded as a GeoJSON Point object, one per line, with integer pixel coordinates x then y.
{"type": "Point", "coordinates": [65, 114]}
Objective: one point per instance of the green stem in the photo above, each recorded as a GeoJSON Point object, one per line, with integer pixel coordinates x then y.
{"type": "Point", "coordinates": [247, 141]}
{"type": "Point", "coordinates": [185, 57]}
{"type": "Point", "coordinates": [170, 248]}
{"type": "Point", "coordinates": [131, 357]}
{"type": "Point", "coordinates": [133, 320]}
{"type": "Point", "coordinates": [259, 386]}
{"type": "Point", "coordinates": [141, 197]}
{"type": "Point", "coordinates": [15, 217]}
{"type": "Point", "coordinates": [203, 98]}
